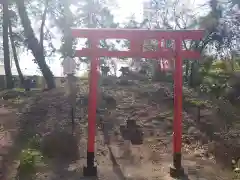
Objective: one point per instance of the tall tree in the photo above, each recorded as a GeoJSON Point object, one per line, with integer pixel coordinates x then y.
{"type": "Point", "coordinates": [133, 24]}
{"type": "Point", "coordinates": [7, 62]}
{"type": "Point", "coordinates": [173, 15]}
{"type": "Point", "coordinates": [222, 24]}
{"type": "Point", "coordinates": [54, 12]}
{"type": "Point", "coordinates": [14, 51]}
{"type": "Point", "coordinates": [96, 14]}
{"type": "Point", "coordinates": [67, 45]}
{"type": "Point", "coordinates": [34, 45]}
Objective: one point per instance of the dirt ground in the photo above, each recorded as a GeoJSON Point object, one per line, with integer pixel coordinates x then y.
{"type": "Point", "coordinates": [116, 157]}
{"type": "Point", "coordinates": [8, 132]}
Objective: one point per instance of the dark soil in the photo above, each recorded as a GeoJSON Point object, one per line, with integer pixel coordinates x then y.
{"type": "Point", "coordinates": [134, 135]}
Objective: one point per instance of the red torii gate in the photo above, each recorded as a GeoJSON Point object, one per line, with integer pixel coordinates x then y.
{"type": "Point", "coordinates": [136, 38]}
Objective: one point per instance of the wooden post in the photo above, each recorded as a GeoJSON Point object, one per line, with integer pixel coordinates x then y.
{"type": "Point", "coordinates": [176, 170]}
{"type": "Point", "coordinates": [69, 67]}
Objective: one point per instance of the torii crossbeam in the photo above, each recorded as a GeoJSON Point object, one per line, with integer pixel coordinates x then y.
{"type": "Point", "coordinates": [137, 38]}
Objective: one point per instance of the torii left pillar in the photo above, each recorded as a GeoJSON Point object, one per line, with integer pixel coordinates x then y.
{"type": "Point", "coordinates": [91, 169]}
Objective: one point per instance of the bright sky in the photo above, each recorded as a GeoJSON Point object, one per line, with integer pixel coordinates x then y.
{"type": "Point", "coordinates": [126, 9]}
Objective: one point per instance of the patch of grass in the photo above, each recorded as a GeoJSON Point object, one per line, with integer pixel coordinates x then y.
{"type": "Point", "coordinates": [166, 115]}
{"type": "Point", "coordinates": [17, 101]}
{"type": "Point", "coordinates": [12, 94]}
{"type": "Point", "coordinates": [19, 89]}
{"type": "Point", "coordinates": [29, 158]}
{"type": "Point", "coordinates": [197, 102]}
{"type": "Point", "coordinates": [236, 176]}
{"type": "Point", "coordinates": [236, 169]}
{"type": "Point", "coordinates": [23, 90]}
{"type": "Point", "coordinates": [34, 142]}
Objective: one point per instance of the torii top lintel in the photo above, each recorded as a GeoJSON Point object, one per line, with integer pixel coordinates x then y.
{"type": "Point", "coordinates": [137, 38]}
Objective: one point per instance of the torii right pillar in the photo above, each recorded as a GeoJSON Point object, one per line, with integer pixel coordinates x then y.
{"type": "Point", "coordinates": [176, 170]}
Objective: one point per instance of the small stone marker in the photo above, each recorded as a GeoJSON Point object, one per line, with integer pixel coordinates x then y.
{"type": "Point", "coordinates": [69, 67]}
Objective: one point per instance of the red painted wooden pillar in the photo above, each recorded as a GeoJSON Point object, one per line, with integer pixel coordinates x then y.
{"type": "Point", "coordinates": [177, 169]}
{"type": "Point", "coordinates": [91, 170]}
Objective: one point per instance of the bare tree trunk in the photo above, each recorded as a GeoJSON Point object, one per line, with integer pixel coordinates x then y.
{"type": "Point", "coordinates": [15, 54]}
{"type": "Point", "coordinates": [68, 39]}
{"type": "Point", "coordinates": [34, 45]}
{"type": "Point", "coordinates": [7, 63]}
{"type": "Point", "coordinates": [42, 26]}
